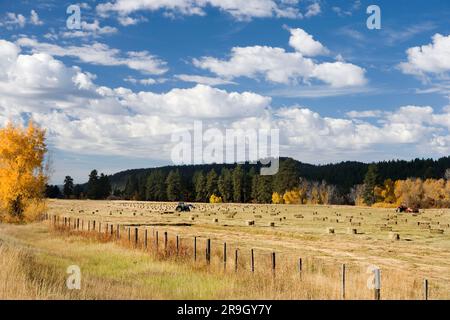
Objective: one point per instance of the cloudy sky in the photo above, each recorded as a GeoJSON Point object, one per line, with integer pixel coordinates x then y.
{"type": "Point", "coordinates": [111, 92]}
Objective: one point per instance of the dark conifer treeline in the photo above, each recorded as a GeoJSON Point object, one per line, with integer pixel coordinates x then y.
{"type": "Point", "coordinates": [242, 182]}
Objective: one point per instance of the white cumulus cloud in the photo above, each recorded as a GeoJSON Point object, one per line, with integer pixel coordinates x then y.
{"type": "Point", "coordinates": [433, 58]}
{"type": "Point", "coordinates": [280, 66]}
{"type": "Point", "coordinates": [100, 54]}
{"type": "Point", "coordinates": [239, 9]}
{"type": "Point", "coordinates": [85, 118]}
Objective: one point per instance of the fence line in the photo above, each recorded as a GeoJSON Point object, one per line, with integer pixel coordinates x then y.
{"type": "Point", "coordinates": [66, 222]}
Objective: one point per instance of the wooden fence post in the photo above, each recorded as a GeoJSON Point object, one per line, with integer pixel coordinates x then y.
{"type": "Point", "coordinates": [165, 241]}
{"type": "Point", "coordinates": [136, 235]}
{"type": "Point", "coordinates": [112, 230]}
{"type": "Point", "coordinates": [208, 251]}
{"type": "Point", "coordinates": [425, 289]}
{"type": "Point", "coordinates": [252, 261]}
{"type": "Point", "coordinates": [129, 234]}
{"type": "Point", "coordinates": [236, 260]}
{"type": "Point", "coordinates": [156, 240]}
{"type": "Point", "coordinates": [100, 227]}
{"type": "Point", "coordinates": [145, 239]}
{"type": "Point", "coordinates": [300, 267]}
{"type": "Point", "coordinates": [224, 255]}
{"type": "Point", "coordinates": [273, 263]}
{"type": "Point", "coordinates": [118, 231]}
{"type": "Point", "coordinates": [89, 225]}
{"type": "Point", "coordinates": [195, 248]}
{"type": "Point", "coordinates": [343, 282]}
{"type": "Point", "coordinates": [377, 284]}
{"type": "Point", "coordinates": [178, 244]}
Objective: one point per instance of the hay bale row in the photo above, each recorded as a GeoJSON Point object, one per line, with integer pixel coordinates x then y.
{"type": "Point", "coordinates": [394, 236]}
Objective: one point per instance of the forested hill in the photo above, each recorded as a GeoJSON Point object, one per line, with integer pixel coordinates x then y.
{"type": "Point", "coordinates": [344, 174]}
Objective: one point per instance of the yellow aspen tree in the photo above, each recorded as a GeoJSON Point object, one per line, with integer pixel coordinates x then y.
{"type": "Point", "coordinates": [447, 194]}
{"type": "Point", "coordinates": [386, 194]}
{"type": "Point", "coordinates": [292, 197]}
{"type": "Point", "coordinates": [22, 176]}
{"type": "Point", "coordinates": [315, 194]}
{"type": "Point", "coordinates": [215, 199]}
{"type": "Point", "coordinates": [324, 196]}
{"type": "Point", "coordinates": [277, 198]}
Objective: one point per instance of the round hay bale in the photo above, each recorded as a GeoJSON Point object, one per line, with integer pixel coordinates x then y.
{"type": "Point", "coordinates": [271, 224]}
{"type": "Point", "coordinates": [250, 222]}
{"type": "Point", "coordinates": [352, 231]}
{"type": "Point", "coordinates": [215, 220]}
{"type": "Point", "coordinates": [192, 218]}
{"type": "Point", "coordinates": [330, 230]}
{"type": "Point", "coordinates": [394, 236]}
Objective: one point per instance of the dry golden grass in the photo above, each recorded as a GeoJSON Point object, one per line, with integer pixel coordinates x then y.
{"type": "Point", "coordinates": [116, 269]}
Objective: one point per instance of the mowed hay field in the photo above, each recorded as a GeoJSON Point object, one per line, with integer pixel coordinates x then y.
{"type": "Point", "coordinates": [117, 268]}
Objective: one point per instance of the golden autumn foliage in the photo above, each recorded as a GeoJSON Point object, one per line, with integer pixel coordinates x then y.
{"type": "Point", "coordinates": [215, 199]}
{"type": "Point", "coordinates": [292, 197]}
{"type": "Point", "coordinates": [414, 193]}
{"type": "Point", "coordinates": [277, 198]}
{"type": "Point", "coordinates": [22, 177]}
{"type": "Point", "coordinates": [386, 193]}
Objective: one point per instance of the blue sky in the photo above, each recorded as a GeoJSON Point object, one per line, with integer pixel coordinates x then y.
{"type": "Point", "coordinates": [111, 92]}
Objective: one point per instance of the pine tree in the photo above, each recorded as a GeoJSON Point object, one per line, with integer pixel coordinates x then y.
{"type": "Point", "coordinates": [199, 182]}
{"type": "Point", "coordinates": [98, 187]}
{"type": "Point", "coordinates": [92, 185]}
{"type": "Point", "coordinates": [79, 191]}
{"type": "Point", "coordinates": [52, 192]}
{"type": "Point", "coordinates": [247, 187]}
{"type": "Point", "coordinates": [104, 187]}
{"type": "Point", "coordinates": [174, 186]}
{"type": "Point", "coordinates": [238, 184]}
{"type": "Point", "coordinates": [287, 177]}
{"type": "Point", "coordinates": [225, 185]}
{"type": "Point", "coordinates": [255, 183]}
{"type": "Point", "coordinates": [131, 190]}
{"type": "Point", "coordinates": [68, 187]}
{"type": "Point", "coordinates": [370, 182]}
{"type": "Point", "coordinates": [156, 189]}
{"type": "Point", "coordinates": [142, 186]}
{"type": "Point", "coordinates": [211, 183]}
{"type": "Point", "coordinates": [264, 189]}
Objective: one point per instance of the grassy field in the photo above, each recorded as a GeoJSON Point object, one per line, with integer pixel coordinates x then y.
{"type": "Point", "coordinates": [34, 257]}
